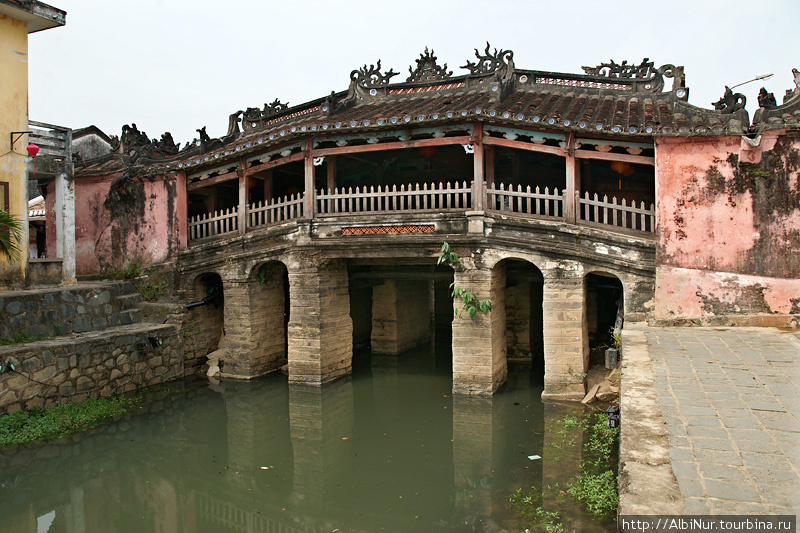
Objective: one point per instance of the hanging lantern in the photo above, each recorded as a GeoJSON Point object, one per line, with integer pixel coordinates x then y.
{"type": "Point", "coordinates": [428, 151]}
{"type": "Point", "coordinates": [32, 151]}
{"type": "Point", "coordinates": [621, 167]}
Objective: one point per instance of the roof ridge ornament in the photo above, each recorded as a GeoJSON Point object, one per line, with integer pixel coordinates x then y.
{"type": "Point", "coordinates": [372, 76]}
{"type": "Point", "coordinates": [730, 102]}
{"type": "Point", "coordinates": [428, 69]}
{"type": "Point", "coordinates": [489, 63]}
{"type": "Point", "coordinates": [622, 70]}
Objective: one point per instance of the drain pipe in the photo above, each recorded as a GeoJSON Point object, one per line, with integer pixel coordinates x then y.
{"type": "Point", "coordinates": [210, 299]}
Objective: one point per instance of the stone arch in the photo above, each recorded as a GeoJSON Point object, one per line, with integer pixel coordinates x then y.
{"type": "Point", "coordinates": [604, 294]}
{"type": "Point", "coordinates": [523, 295]}
{"type": "Point", "coordinates": [204, 325]}
{"type": "Point", "coordinates": [264, 318]}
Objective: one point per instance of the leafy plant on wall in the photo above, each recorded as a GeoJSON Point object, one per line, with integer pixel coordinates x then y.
{"type": "Point", "coordinates": [471, 303]}
{"type": "Point", "coordinates": [10, 234]}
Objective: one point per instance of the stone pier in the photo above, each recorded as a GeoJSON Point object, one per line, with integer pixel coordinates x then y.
{"type": "Point", "coordinates": [320, 327]}
{"type": "Point", "coordinates": [566, 341]}
{"type": "Point", "coordinates": [479, 345]}
{"type": "Point", "coordinates": [400, 316]}
{"type": "Point", "coordinates": [255, 333]}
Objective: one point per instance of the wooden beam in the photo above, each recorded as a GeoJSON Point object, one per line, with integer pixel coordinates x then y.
{"type": "Point", "coordinates": [520, 145]}
{"type": "Point", "coordinates": [398, 145]}
{"type": "Point", "coordinates": [606, 156]}
{"type": "Point", "coordinates": [275, 163]}
{"type": "Point", "coordinates": [208, 182]}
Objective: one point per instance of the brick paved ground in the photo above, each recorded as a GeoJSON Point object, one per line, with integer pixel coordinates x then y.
{"type": "Point", "coordinates": [731, 401]}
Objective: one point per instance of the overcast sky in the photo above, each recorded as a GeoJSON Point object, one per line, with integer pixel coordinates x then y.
{"type": "Point", "coordinates": [179, 65]}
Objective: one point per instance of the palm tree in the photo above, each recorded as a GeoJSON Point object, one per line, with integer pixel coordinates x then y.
{"type": "Point", "coordinates": [10, 234]}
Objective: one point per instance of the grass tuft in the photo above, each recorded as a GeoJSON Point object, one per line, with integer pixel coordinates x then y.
{"type": "Point", "coordinates": [38, 425]}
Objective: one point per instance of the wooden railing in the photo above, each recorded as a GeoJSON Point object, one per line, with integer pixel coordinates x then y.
{"type": "Point", "coordinates": [274, 211]}
{"type": "Point", "coordinates": [546, 203]}
{"type": "Point", "coordinates": [610, 213]}
{"type": "Point", "coordinates": [214, 224]}
{"type": "Point", "coordinates": [422, 197]}
{"type": "Point", "coordinates": [536, 202]}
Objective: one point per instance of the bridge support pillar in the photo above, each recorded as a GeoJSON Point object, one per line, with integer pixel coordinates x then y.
{"type": "Point", "coordinates": [320, 327]}
{"type": "Point", "coordinates": [479, 345]}
{"type": "Point", "coordinates": [254, 325]}
{"type": "Point", "coordinates": [400, 316]}
{"type": "Point", "coordinates": [566, 341]}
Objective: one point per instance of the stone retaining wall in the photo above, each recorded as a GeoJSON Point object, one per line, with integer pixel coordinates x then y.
{"type": "Point", "coordinates": [72, 368]}
{"type": "Point", "coordinates": [60, 311]}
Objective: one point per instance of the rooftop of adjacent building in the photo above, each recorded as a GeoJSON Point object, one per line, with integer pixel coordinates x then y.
{"type": "Point", "coordinates": [38, 15]}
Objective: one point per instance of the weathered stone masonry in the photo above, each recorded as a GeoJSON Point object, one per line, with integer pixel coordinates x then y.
{"type": "Point", "coordinates": [92, 365]}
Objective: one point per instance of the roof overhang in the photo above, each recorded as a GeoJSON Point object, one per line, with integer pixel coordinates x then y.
{"type": "Point", "coordinates": [38, 15]}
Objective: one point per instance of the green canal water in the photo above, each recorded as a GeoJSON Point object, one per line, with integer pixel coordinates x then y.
{"type": "Point", "coordinates": [387, 449]}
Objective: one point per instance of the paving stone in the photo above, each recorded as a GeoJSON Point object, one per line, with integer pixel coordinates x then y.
{"type": "Point", "coordinates": [765, 460]}
{"type": "Point", "coordinates": [706, 432]}
{"type": "Point", "coordinates": [691, 487]}
{"type": "Point", "coordinates": [742, 423]}
{"type": "Point", "coordinates": [730, 491]}
{"type": "Point", "coordinates": [681, 454]}
{"type": "Point", "coordinates": [724, 473]}
{"type": "Point", "coordinates": [685, 470]}
{"type": "Point", "coordinates": [758, 446]}
{"type": "Point", "coordinates": [750, 434]}
{"type": "Point", "coordinates": [718, 456]}
{"type": "Point", "coordinates": [712, 444]}
{"type": "Point", "coordinates": [704, 421]}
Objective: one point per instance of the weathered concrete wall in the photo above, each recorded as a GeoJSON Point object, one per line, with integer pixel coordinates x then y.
{"type": "Point", "coordinates": [400, 316]}
{"type": "Point", "coordinates": [118, 219]}
{"type": "Point", "coordinates": [729, 229]}
{"type": "Point", "coordinates": [51, 312]}
{"type": "Point", "coordinates": [92, 365]}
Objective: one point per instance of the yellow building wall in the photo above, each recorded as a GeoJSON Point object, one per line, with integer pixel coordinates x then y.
{"type": "Point", "coordinates": [14, 117]}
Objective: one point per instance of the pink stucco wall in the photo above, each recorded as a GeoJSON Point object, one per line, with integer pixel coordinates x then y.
{"type": "Point", "coordinates": [142, 223]}
{"type": "Point", "coordinates": [728, 226]}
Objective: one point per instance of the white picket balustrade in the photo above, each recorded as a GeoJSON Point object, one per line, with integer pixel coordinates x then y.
{"type": "Point", "coordinates": [420, 197]}
{"type": "Point", "coordinates": [214, 224]}
{"type": "Point", "coordinates": [610, 213]}
{"type": "Point", "coordinates": [277, 210]}
{"type": "Point", "coordinates": [527, 201]}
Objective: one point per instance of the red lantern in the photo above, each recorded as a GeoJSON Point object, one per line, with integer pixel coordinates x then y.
{"type": "Point", "coordinates": [32, 151]}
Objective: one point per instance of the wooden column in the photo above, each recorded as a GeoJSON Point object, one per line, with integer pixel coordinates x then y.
{"type": "Point", "coordinates": [240, 171]}
{"type": "Point", "coordinates": [308, 194]}
{"type": "Point", "coordinates": [267, 186]}
{"type": "Point", "coordinates": [489, 165]}
{"type": "Point", "coordinates": [331, 184]}
{"type": "Point", "coordinates": [182, 210]}
{"type": "Point", "coordinates": [477, 166]}
{"type": "Point", "coordinates": [572, 181]}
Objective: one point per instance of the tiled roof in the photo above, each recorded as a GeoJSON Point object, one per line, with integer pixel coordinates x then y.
{"type": "Point", "coordinates": [611, 100]}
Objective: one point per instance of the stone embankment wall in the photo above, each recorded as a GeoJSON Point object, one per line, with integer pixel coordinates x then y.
{"type": "Point", "coordinates": [96, 345]}
{"type": "Point", "coordinates": [91, 365]}
{"type": "Point", "coordinates": [53, 312]}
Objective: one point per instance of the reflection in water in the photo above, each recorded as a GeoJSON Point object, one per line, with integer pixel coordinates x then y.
{"type": "Point", "coordinates": [387, 449]}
